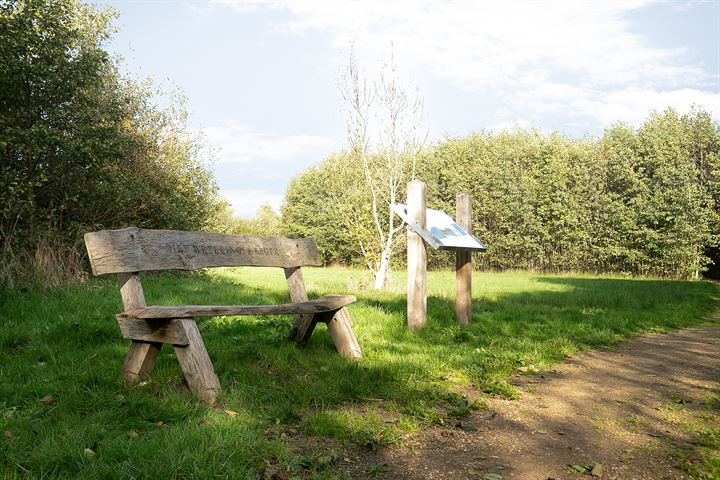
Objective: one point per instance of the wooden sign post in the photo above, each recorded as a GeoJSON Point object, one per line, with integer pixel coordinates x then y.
{"type": "Point", "coordinates": [416, 258]}
{"type": "Point", "coordinates": [463, 263]}
{"type": "Point", "coordinates": [442, 233]}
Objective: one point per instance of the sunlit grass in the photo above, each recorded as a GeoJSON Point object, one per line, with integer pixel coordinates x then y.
{"type": "Point", "coordinates": [66, 344]}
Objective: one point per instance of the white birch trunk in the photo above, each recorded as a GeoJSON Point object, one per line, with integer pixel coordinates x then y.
{"type": "Point", "coordinates": [383, 272]}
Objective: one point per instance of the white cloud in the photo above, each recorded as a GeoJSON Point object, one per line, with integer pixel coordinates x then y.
{"type": "Point", "coordinates": [246, 202]}
{"type": "Point", "coordinates": [582, 59]}
{"type": "Point", "coordinates": [630, 104]}
{"type": "Point", "coordinates": [238, 143]}
{"type": "Point", "coordinates": [240, 6]}
{"type": "Point", "coordinates": [480, 44]}
{"type": "Point", "coordinates": [253, 167]}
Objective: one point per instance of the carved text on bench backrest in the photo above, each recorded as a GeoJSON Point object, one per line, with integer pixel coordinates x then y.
{"type": "Point", "coordinates": [136, 250]}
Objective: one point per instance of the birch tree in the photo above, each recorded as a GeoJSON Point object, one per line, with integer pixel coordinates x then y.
{"type": "Point", "coordinates": [383, 122]}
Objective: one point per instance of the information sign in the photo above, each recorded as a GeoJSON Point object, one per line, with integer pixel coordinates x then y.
{"type": "Point", "coordinates": [442, 233]}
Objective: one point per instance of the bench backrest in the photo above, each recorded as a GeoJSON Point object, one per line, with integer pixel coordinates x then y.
{"type": "Point", "coordinates": [137, 250]}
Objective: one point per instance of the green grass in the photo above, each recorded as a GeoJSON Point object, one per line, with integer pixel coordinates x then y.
{"type": "Point", "coordinates": [701, 456]}
{"type": "Point", "coordinates": [65, 343]}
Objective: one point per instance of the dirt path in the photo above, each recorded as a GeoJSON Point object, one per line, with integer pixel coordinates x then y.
{"type": "Point", "coordinates": [635, 411]}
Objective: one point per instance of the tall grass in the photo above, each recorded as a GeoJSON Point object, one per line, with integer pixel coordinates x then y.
{"type": "Point", "coordinates": [46, 261]}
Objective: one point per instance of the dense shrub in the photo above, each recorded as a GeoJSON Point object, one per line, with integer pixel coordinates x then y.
{"type": "Point", "coordinates": [638, 201]}
{"type": "Point", "coordinates": [81, 147]}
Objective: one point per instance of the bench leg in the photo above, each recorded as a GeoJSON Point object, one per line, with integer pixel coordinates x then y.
{"type": "Point", "coordinates": [340, 327]}
{"type": "Point", "coordinates": [196, 364]}
{"type": "Point", "coordinates": [140, 360]}
{"type": "Point", "coordinates": [303, 328]}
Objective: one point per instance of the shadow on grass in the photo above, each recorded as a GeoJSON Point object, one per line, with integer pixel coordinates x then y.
{"type": "Point", "coordinates": [67, 344]}
{"type": "Point", "coordinates": [513, 330]}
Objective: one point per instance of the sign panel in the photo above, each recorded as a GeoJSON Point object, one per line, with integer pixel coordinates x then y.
{"type": "Point", "coordinates": [441, 232]}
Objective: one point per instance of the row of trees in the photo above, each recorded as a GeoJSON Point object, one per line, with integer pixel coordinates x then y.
{"type": "Point", "coordinates": [636, 200]}
{"type": "Point", "coordinates": [83, 147]}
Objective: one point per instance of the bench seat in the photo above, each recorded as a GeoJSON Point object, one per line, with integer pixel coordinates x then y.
{"type": "Point", "coordinates": [327, 303]}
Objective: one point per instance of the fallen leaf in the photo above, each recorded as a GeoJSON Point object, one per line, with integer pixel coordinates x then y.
{"type": "Point", "coordinates": [231, 413]}
{"type": "Point", "coordinates": [271, 471]}
{"type": "Point", "coordinates": [626, 455]}
{"type": "Point", "coordinates": [578, 468]}
{"type": "Point", "coordinates": [472, 471]}
{"type": "Point", "coordinates": [7, 434]}
{"type": "Point", "coordinates": [530, 370]}
{"type": "Point", "coordinates": [48, 400]}
{"type": "Point", "coordinates": [133, 434]}
{"type": "Point", "coordinates": [89, 452]}
{"type": "Point", "coordinates": [597, 470]}
{"type": "Point", "coordinates": [323, 460]}
{"type": "Point", "coordinates": [468, 427]}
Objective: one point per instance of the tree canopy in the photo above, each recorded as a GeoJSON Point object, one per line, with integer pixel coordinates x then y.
{"type": "Point", "coordinates": [636, 200]}
{"type": "Point", "coordinates": [81, 146]}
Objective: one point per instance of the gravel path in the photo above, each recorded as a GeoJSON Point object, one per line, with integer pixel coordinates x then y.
{"type": "Point", "coordinates": [632, 412]}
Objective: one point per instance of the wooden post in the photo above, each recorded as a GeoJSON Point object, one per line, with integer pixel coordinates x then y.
{"type": "Point", "coordinates": [142, 355]}
{"type": "Point", "coordinates": [416, 258]}
{"type": "Point", "coordinates": [304, 323]}
{"type": "Point", "coordinates": [195, 363]}
{"type": "Point", "coordinates": [340, 327]}
{"type": "Point", "coordinates": [463, 263]}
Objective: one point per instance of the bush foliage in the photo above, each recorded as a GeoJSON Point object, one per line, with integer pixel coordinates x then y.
{"type": "Point", "coordinates": [82, 147]}
{"type": "Point", "coordinates": [636, 200]}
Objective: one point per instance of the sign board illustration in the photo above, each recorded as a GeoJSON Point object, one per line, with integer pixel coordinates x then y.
{"type": "Point", "coordinates": [442, 233]}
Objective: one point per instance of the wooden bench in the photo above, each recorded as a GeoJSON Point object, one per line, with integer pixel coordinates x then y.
{"type": "Point", "coordinates": [129, 251]}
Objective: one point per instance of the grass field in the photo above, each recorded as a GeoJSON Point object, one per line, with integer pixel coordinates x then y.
{"type": "Point", "coordinates": [66, 344]}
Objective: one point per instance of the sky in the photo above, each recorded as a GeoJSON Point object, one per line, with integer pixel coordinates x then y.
{"type": "Point", "coordinates": [261, 78]}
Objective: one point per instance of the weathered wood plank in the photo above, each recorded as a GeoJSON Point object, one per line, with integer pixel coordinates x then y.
{"type": "Point", "coordinates": [131, 290]}
{"type": "Point", "coordinates": [416, 258]}
{"type": "Point", "coordinates": [161, 331]}
{"type": "Point", "coordinates": [136, 249]}
{"type": "Point", "coordinates": [463, 263]}
{"type": "Point", "coordinates": [196, 364]}
{"type": "Point", "coordinates": [142, 355]}
{"type": "Point", "coordinates": [304, 324]}
{"type": "Point", "coordinates": [140, 360]}
{"type": "Point", "coordinates": [322, 304]}
{"type": "Point", "coordinates": [340, 328]}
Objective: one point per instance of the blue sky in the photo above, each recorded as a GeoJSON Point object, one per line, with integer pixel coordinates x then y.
{"type": "Point", "coordinates": [261, 77]}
